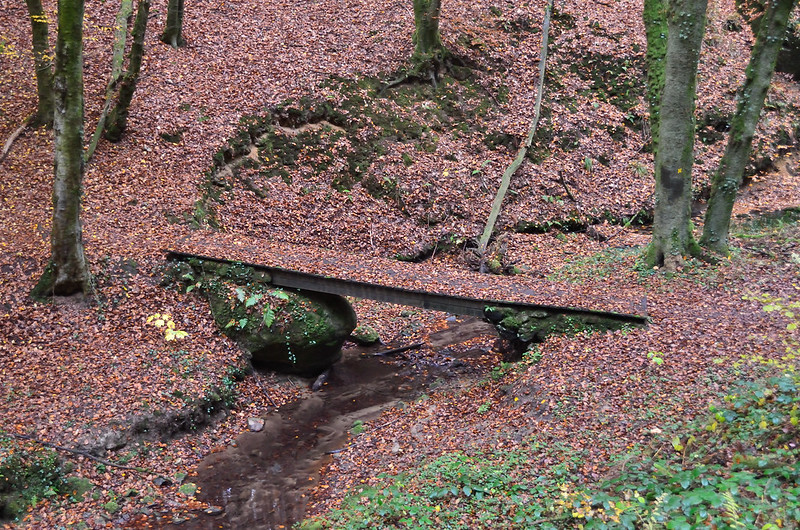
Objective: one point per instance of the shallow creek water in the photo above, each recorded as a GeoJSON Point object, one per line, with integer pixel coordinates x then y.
{"type": "Point", "coordinates": [264, 480]}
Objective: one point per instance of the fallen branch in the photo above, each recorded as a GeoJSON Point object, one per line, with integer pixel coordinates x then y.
{"type": "Point", "coordinates": [523, 150]}
{"type": "Point", "coordinates": [398, 350]}
{"type": "Point", "coordinates": [625, 225]}
{"type": "Point", "coordinates": [264, 390]}
{"type": "Point", "coordinates": [14, 136]}
{"type": "Point", "coordinates": [563, 182]}
{"type": "Point", "coordinates": [79, 452]}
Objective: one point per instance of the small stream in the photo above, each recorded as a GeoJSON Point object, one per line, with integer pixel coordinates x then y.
{"type": "Point", "coordinates": [265, 479]}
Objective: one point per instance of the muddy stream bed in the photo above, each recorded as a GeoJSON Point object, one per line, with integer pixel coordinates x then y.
{"type": "Point", "coordinates": [265, 479]}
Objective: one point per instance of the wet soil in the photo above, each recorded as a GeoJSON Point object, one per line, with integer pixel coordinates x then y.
{"type": "Point", "coordinates": [265, 479]}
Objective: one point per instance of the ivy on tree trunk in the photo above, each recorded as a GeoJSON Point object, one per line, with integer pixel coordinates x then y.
{"type": "Point", "coordinates": [655, 24]}
{"type": "Point", "coordinates": [672, 233]}
{"type": "Point", "coordinates": [118, 118]}
{"type": "Point", "coordinates": [750, 100]}
{"type": "Point", "coordinates": [43, 63]}
{"type": "Point", "coordinates": [173, 30]}
{"type": "Point", "coordinates": [67, 272]}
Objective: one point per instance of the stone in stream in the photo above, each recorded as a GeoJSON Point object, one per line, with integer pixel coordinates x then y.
{"type": "Point", "coordinates": [255, 424]}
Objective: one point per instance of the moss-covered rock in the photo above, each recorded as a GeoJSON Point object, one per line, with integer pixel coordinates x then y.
{"type": "Point", "coordinates": [292, 331]}
{"type": "Point", "coordinates": [28, 472]}
{"type": "Point", "coordinates": [365, 335]}
{"type": "Point", "coordinates": [525, 327]}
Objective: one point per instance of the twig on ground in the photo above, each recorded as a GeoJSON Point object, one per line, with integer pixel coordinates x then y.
{"type": "Point", "coordinates": [264, 390]}
{"type": "Point", "coordinates": [398, 350]}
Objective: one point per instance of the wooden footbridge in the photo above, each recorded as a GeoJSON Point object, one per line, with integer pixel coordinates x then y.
{"type": "Point", "coordinates": [419, 285]}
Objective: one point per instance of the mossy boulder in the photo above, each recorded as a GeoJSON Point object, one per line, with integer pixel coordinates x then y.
{"type": "Point", "coordinates": [525, 327]}
{"type": "Point", "coordinates": [365, 335]}
{"type": "Point", "coordinates": [28, 473]}
{"type": "Point", "coordinates": [291, 331]}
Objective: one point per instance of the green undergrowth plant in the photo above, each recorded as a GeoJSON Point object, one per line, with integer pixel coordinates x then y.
{"type": "Point", "coordinates": [29, 473]}
{"type": "Point", "coordinates": [737, 468]}
{"type": "Point", "coordinates": [789, 360]}
{"type": "Point", "coordinates": [458, 490]}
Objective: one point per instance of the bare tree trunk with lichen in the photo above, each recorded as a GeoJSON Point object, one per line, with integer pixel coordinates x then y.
{"type": "Point", "coordinates": [43, 62]}
{"type": "Point", "coordinates": [173, 30]}
{"type": "Point", "coordinates": [67, 272]}
{"type": "Point", "coordinates": [672, 232]}
{"type": "Point", "coordinates": [118, 118]}
{"type": "Point", "coordinates": [728, 177]}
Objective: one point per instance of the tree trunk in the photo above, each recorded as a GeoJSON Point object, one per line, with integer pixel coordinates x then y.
{"type": "Point", "coordinates": [173, 31]}
{"type": "Point", "coordinates": [427, 40]}
{"type": "Point", "coordinates": [429, 53]}
{"type": "Point", "coordinates": [43, 63]}
{"type": "Point", "coordinates": [672, 234]}
{"type": "Point", "coordinates": [67, 272]}
{"type": "Point", "coordinates": [118, 118]}
{"type": "Point", "coordinates": [728, 177]}
{"type": "Point", "coordinates": [655, 24]}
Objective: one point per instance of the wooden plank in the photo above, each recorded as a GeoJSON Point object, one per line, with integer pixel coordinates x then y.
{"type": "Point", "coordinates": [458, 305]}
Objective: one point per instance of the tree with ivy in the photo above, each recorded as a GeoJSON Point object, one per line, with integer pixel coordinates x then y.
{"type": "Point", "coordinates": [173, 30]}
{"type": "Point", "coordinates": [672, 232]}
{"type": "Point", "coordinates": [750, 100]}
{"type": "Point", "coordinates": [67, 272]}
{"type": "Point", "coordinates": [655, 24]}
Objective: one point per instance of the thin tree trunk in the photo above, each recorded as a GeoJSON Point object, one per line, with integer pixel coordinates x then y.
{"type": "Point", "coordinates": [118, 118]}
{"type": "Point", "coordinates": [118, 57]}
{"type": "Point", "coordinates": [43, 62]}
{"type": "Point", "coordinates": [67, 272]}
{"type": "Point", "coordinates": [655, 24]}
{"type": "Point", "coordinates": [728, 177]}
{"type": "Point", "coordinates": [672, 234]}
{"type": "Point", "coordinates": [173, 30]}
{"type": "Point", "coordinates": [523, 150]}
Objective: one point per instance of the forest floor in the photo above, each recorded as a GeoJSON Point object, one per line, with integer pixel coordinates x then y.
{"type": "Point", "coordinates": [78, 372]}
